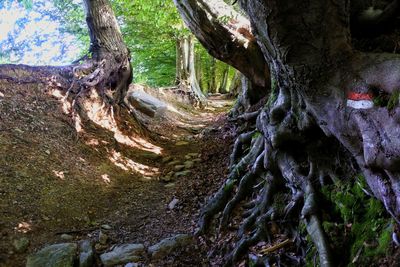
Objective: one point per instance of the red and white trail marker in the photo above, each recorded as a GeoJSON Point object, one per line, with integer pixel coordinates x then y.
{"type": "Point", "coordinates": [360, 100]}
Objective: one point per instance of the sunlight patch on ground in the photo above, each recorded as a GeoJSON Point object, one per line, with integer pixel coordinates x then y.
{"type": "Point", "coordinates": [106, 178]}
{"type": "Point", "coordinates": [59, 174]}
{"type": "Point", "coordinates": [129, 165]}
{"type": "Point", "coordinates": [104, 117]}
{"type": "Point", "coordinates": [23, 227]}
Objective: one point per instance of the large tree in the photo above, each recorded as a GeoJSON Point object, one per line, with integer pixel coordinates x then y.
{"type": "Point", "coordinates": [320, 121]}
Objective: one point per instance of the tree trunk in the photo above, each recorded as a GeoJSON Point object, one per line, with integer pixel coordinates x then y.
{"type": "Point", "coordinates": [224, 82]}
{"type": "Point", "coordinates": [318, 124]}
{"type": "Point", "coordinates": [186, 70]}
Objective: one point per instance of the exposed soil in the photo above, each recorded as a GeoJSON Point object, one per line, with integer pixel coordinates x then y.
{"type": "Point", "coordinates": [54, 180]}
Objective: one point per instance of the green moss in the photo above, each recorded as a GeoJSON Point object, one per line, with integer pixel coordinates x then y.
{"type": "Point", "coordinates": [362, 227]}
{"type": "Point", "coordinates": [274, 93]}
{"type": "Point", "coordinates": [229, 185]}
{"type": "Point", "coordinates": [393, 100]}
{"type": "Point", "coordinates": [256, 135]}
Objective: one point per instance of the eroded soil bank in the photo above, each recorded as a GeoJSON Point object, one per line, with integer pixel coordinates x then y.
{"type": "Point", "coordinates": [57, 183]}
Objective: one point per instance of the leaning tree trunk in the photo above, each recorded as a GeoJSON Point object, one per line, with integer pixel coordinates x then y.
{"type": "Point", "coordinates": [186, 70]}
{"type": "Point", "coordinates": [108, 73]}
{"type": "Point", "coordinates": [319, 123]}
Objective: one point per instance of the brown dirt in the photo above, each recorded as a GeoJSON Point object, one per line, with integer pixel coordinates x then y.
{"type": "Point", "coordinates": [54, 180]}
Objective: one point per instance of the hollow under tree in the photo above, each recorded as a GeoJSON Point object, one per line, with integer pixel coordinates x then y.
{"type": "Point", "coordinates": [319, 122]}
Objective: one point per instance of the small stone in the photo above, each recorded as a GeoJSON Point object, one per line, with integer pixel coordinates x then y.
{"type": "Point", "coordinates": [188, 157]}
{"type": "Point", "coordinates": [1, 94]}
{"type": "Point", "coordinates": [189, 164]}
{"type": "Point", "coordinates": [54, 256]}
{"type": "Point", "coordinates": [182, 143]}
{"type": "Point", "coordinates": [182, 173]}
{"type": "Point", "coordinates": [20, 188]}
{"type": "Point", "coordinates": [166, 159]}
{"type": "Point", "coordinates": [168, 245]}
{"type": "Point", "coordinates": [151, 156]}
{"type": "Point", "coordinates": [193, 155]}
{"type": "Point", "coordinates": [106, 227]}
{"type": "Point", "coordinates": [179, 167]}
{"type": "Point", "coordinates": [170, 185]}
{"type": "Point", "coordinates": [173, 203]}
{"type": "Point", "coordinates": [132, 264]}
{"type": "Point", "coordinates": [175, 162]}
{"type": "Point", "coordinates": [197, 160]}
{"type": "Point", "coordinates": [47, 152]}
{"type": "Point", "coordinates": [123, 254]}
{"type": "Point", "coordinates": [166, 178]}
{"type": "Point", "coordinates": [86, 255]}
{"type": "Point", "coordinates": [103, 238]}
{"type": "Point", "coordinates": [66, 237]}
{"type": "Point", "coordinates": [21, 245]}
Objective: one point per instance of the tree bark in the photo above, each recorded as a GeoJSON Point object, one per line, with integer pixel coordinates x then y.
{"type": "Point", "coordinates": [109, 70]}
{"type": "Point", "coordinates": [229, 41]}
{"type": "Point", "coordinates": [311, 131]}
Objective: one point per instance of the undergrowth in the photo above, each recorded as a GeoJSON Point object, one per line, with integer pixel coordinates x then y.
{"type": "Point", "coordinates": [357, 225]}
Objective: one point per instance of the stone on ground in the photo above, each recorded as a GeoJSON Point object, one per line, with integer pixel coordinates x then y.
{"type": "Point", "coordinates": [146, 103]}
{"type": "Point", "coordinates": [168, 245]}
{"type": "Point", "coordinates": [173, 203]}
{"type": "Point", "coordinates": [58, 255]}
{"type": "Point", "coordinates": [86, 255]}
{"type": "Point", "coordinates": [179, 167]}
{"type": "Point", "coordinates": [189, 164]}
{"type": "Point", "coordinates": [21, 245]}
{"type": "Point", "coordinates": [182, 143]}
{"type": "Point", "coordinates": [123, 254]}
{"type": "Point", "coordinates": [182, 173]}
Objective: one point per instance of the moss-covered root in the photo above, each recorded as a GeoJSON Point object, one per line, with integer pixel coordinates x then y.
{"type": "Point", "coordinates": [314, 227]}
{"type": "Point", "coordinates": [241, 141]}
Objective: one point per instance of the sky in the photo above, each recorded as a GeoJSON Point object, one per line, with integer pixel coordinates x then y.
{"type": "Point", "coordinates": [33, 38]}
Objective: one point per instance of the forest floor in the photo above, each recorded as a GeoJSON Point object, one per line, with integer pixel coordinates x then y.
{"type": "Point", "coordinates": [57, 185]}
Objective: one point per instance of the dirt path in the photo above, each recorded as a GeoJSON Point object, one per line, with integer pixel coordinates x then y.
{"type": "Point", "coordinates": [54, 182]}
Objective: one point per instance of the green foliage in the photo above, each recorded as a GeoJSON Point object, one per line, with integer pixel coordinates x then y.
{"type": "Point", "coordinates": [361, 222]}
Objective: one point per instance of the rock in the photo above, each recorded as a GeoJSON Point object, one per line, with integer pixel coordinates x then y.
{"type": "Point", "coordinates": [103, 238]}
{"type": "Point", "coordinates": [188, 157]}
{"type": "Point", "coordinates": [182, 173]}
{"type": "Point", "coordinates": [21, 245]}
{"type": "Point", "coordinates": [54, 256]}
{"type": "Point", "coordinates": [182, 143]}
{"type": "Point", "coordinates": [131, 264]}
{"type": "Point", "coordinates": [146, 103]}
{"type": "Point", "coordinates": [179, 167]}
{"type": "Point", "coordinates": [193, 155]}
{"type": "Point", "coordinates": [86, 254]}
{"type": "Point", "coordinates": [169, 185]}
{"type": "Point", "coordinates": [173, 203]}
{"type": "Point", "coordinates": [175, 162]}
{"type": "Point", "coordinates": [106, 227]}
{"type": "Point", "coordinates": [166, 178]}
{"type": "Point", "coordinates": [66, 237]}
{"type": "Point", "coordinates": [197, 160]}
{"type": "Point", "coordinates": [123, 254]}
{"type": "Point", "coordinates": [166, 159]}
{"type": "Point", "coordinates": [168, 245]}
{"type": "Point", "coordinates": [188, 164]}
{"type": "Point", "coordinates": [149, 155]}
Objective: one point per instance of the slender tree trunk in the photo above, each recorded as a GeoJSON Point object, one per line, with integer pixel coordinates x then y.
{"type": "Point", "coordinates": [187, 69]}
{"type": "Point", "coordinates": [213, 77]}
{"type": "Point", "coordinates": [224, 82]}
